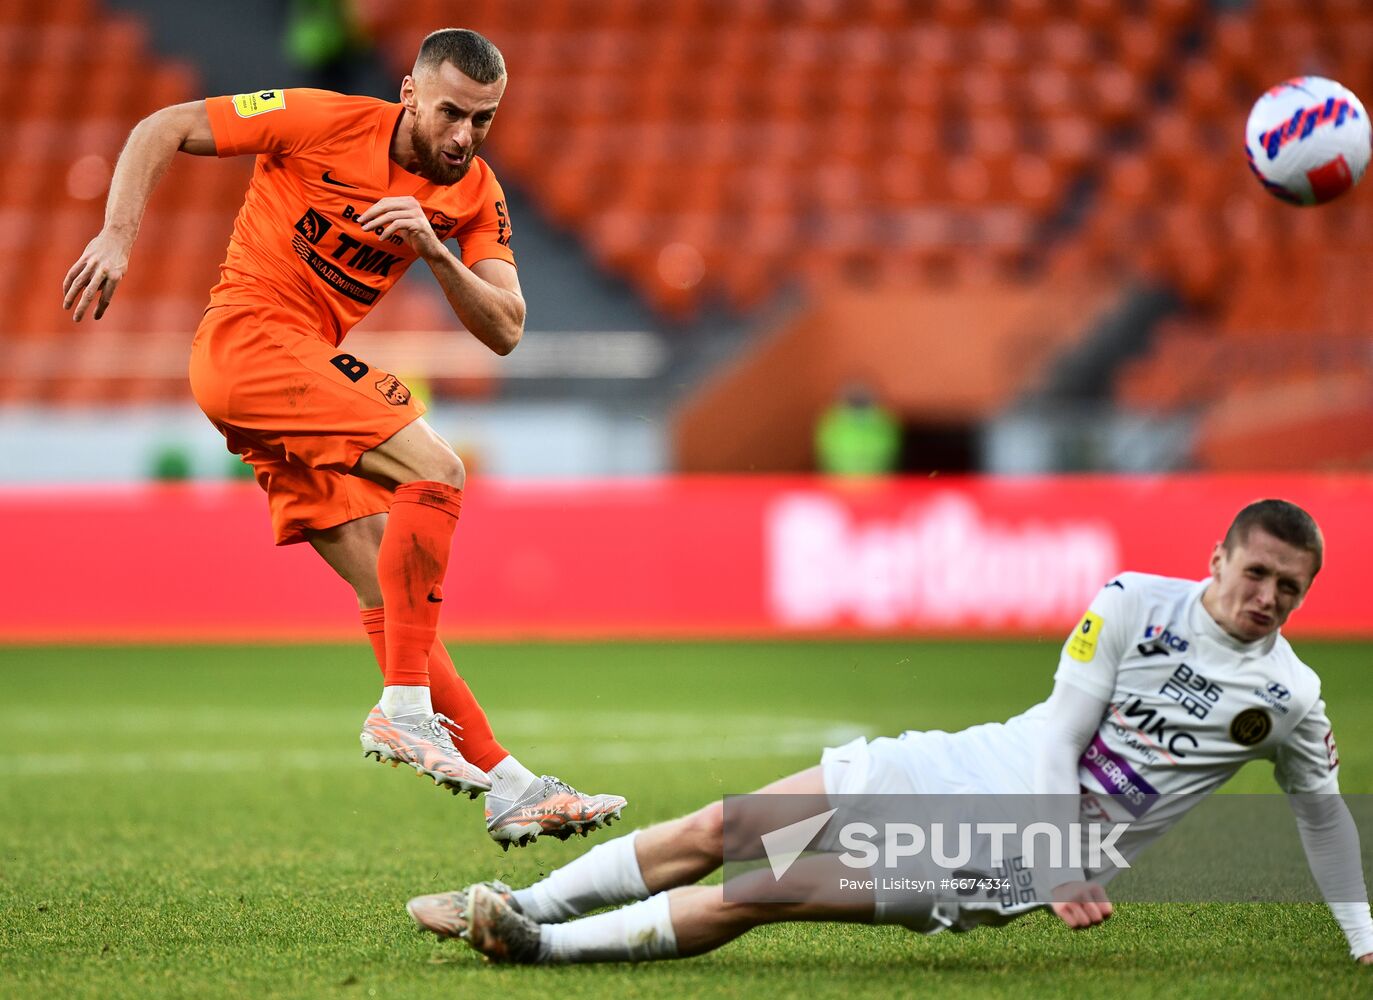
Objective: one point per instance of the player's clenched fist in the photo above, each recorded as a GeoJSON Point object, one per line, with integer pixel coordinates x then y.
{"type": "Point", "coordinates": [97, 272]}
{"type": "Point", "coordinates": [403, 216]}
{"type": "Point", "coordinates": [1081, 904]}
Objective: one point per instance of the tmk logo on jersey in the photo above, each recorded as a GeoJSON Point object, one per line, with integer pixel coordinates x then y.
{"type": "Point", "coordinates": [313, 226]}
{"type": "Point", "coordinates": [373, 260]}
{"type": "Point", "coordinates": [1162, 638]}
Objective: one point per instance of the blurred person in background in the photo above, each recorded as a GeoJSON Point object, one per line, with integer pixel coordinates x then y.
{"type": "Point", "coordinates": [324, 39]}
{"type": "Point", "coordinates": [857, 436]}
{"type": "Point", "coordinates": [346, 194]}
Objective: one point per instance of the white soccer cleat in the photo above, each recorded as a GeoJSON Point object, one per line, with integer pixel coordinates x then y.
{"type": "Point", "coordinates": [445, 913]}
{"type": "Point", "coordinates": [548, 807]}
{"type": "Point", "coordinates": [427, 746]}
{"type": "Point", "coordinates": [497, 929]}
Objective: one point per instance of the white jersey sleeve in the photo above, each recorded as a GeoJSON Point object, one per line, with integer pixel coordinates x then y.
{"type": "Point", "coordinates": [1307, 767]}
{"type": "Point", "coordinates": [1092, 653]}
{"type": "Point", "coordinates": [1308, 761]}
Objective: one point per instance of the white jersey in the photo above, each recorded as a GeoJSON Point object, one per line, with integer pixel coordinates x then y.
{"type": "Point", "coordinates": [1187, 705]}
{"type": "Point", "coordinates": [1190, 704]}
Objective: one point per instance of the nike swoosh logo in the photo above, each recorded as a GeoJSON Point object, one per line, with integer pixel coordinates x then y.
{"type": "Point", "coordinates": [330, 180]}
{"type": "Point", "coordinates": [432, 599]}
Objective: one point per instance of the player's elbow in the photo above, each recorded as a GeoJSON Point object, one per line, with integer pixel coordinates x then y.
{"type": "Point", "coordinates": [508, 337]}
{"type": "Point", "coordinates": [185, 126]}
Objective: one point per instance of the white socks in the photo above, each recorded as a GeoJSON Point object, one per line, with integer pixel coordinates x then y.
{"type": "Point", "coordinates": [510, 778]}
{"type": "Point", "coordinates": [606, 875]}
{"type": "Point", "coordinates": [637, 933]}
{"type": "Point", "coordinates": [399, 701]}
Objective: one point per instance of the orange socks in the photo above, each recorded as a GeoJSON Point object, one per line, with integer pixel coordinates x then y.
{"type": "Point", "coordinates": [410, 569]}
{"type": "Point", "coordinates": [450, 694]}
{"type": "Point", "coordinates": [453, 698]}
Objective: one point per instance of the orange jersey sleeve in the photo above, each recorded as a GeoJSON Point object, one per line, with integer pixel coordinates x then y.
{"type": "Point", "coordinates": [322, 160]}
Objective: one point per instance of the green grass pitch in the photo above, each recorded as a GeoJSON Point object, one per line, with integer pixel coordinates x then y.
{"type": "Point", "coordinates": [198, 821]}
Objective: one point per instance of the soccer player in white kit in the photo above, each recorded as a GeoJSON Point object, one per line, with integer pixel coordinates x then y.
{"type": "Point", "coordinates": [1166, 686]}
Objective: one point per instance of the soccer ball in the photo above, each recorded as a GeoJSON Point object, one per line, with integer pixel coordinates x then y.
{"type": "Point", "coordinates": [1308, 140]}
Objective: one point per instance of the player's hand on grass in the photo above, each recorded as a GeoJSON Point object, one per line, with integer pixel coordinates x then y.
{"type": "Point", "coordinates": [96, 273]}
{"type": "Point", "coordinates": [1366, 959]}
{"type": "Point", "coordinates": [1081, 904]}
{"type": "Point", "coordinates": [403, 217]}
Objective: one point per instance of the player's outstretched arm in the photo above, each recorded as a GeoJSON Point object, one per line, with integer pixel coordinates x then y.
{"type": "Point", "coordinates": [152, 145]}
{"type": "Point", "coordinates": [1331, 842]}
{"type": "Point", "coordinates": [486, 297]}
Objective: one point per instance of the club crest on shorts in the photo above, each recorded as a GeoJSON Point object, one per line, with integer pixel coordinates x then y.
{"type": "Point", "coordinates": [393, 390]}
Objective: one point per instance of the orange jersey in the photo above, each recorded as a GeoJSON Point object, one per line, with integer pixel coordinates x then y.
{"type": "Point", "coordinates": [323, 159]}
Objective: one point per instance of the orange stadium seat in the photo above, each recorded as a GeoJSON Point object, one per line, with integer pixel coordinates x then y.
{"type": "Point", "coordinates": [956, 128]}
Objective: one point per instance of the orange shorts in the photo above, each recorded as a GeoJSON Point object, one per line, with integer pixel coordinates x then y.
{"type": "Point", "coordinates": [299, 410]}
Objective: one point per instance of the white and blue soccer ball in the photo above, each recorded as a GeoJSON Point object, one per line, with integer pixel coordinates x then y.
{"type": "Point", "coordinates": [1308, 140]}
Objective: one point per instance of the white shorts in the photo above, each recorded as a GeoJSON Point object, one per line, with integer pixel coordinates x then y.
{"type": "Point", "coordinates": [996, 758]}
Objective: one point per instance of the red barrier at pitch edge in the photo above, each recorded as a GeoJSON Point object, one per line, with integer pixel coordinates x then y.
{"type": "Point", "coordinates": [668, 557]}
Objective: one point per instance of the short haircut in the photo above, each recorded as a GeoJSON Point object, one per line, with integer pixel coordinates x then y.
{"type": "Point", "coordinates": [471, 53]}
{"type": "Point", "coordinates": [1284, 521]}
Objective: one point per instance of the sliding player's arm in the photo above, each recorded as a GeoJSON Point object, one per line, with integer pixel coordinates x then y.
{"type": "Point", "coordinates": [151, 147]}
{"type": "Point", "coordinates": [1083, 685]}
{"type": "Point", "coordinates": [1307, 768]}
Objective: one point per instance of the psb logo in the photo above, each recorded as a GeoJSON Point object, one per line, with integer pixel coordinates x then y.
{"type": "Point", "coordinates": [313, 226]}
{"type": "Point", "coordinates": [1251, 727]}
{"type": "Point", "coordinates": [394, 390]}
{"type": "Point", "coordinates": [259, 103]}
{"type": "Point", "coordinates": [1161, 636]}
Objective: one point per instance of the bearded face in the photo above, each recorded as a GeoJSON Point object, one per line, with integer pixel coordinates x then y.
{"type": "Point", "coordinates": [450, 116]}
{"type": "Point", "coordinates": [446, 165]}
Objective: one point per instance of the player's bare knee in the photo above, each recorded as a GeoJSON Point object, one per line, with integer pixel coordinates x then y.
{"type": "Point", "coordinates": [705, 831]}
{"type": "Point", "coordinates": [439, 465]}
{"type": "Point", "coordinates": [448, 468]}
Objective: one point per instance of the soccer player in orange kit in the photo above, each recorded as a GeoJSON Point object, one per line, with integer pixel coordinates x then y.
{"type": "Point", "coordinates": [347, 192]}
